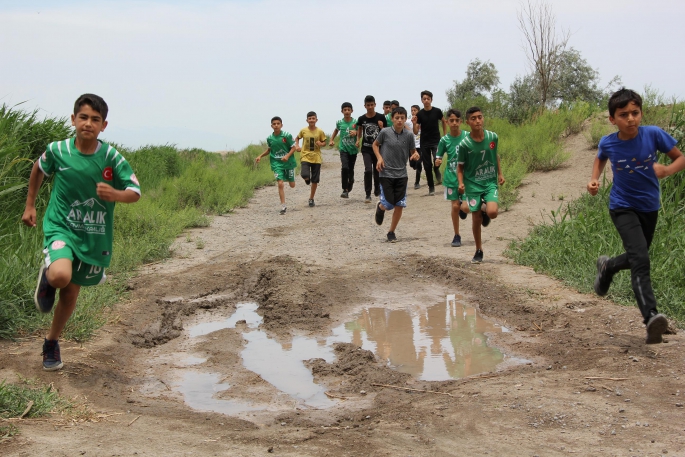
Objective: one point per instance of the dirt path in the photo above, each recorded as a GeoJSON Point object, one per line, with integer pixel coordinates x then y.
{"type": "Point", "coordinates": [314, 269]}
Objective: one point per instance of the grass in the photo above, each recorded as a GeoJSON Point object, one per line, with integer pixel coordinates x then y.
{"type": "Point", "coordinates": [568, 245]}
{"type": "Point", "coordinates": [15, 398]}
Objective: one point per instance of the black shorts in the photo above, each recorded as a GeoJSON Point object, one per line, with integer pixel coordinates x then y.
{"type": "Point", "coordinates": [394, 191]}
{"type": "Point", "coordinates": [310, 171]}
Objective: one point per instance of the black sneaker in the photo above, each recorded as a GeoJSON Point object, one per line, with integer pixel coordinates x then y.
{"type": "Point", "coordinates": [345, 194]}
{"type": "Point", "coordinates": [367, 199]}
{"type": "Point", "coordinates": [380, 214]}
{"type": "Point", "coordinates": [311, 202]}
{"type": "Point", "coordinates": [307, 182]}
{"type": "Point", "coordinates": [456, 241]}
{"type": "Point", "coordinates": [603, 278]}
{"type": "Point", "coordinates": [283, 209]}
{"type": "Point", "coordinates": [431, 191]}
{"type": "Point", "coordinates": [656, 326]}
{"type": "Point", "coordinates": [51, 357]}
{"type": "Point", "coordinates": [391, 237]}
{"type": "Point", "coordinates": [417, 186]}
{"type": "Point", "coordinates": [44, 297]}
{"type": "Point", "coordinates": [486, 219]}
{"type": "Point", "coordinates": [478, 258]}
{"type": "Point", "coordinates": [462, 215]}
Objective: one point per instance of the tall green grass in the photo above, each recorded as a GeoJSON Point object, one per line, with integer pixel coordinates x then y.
{"type": "Point", "coordinates": [569, 244]}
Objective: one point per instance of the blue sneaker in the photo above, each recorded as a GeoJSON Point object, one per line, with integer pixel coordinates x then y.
{"type": "Point", "coordinates": [44, 297]}
{"type": "Point", "coordinates": [52, 360]}
{"type": "Point", "coordinates": [456, 241]}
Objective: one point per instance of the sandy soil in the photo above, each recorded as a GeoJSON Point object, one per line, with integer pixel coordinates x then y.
{"type": "Point", "coordinates": [591, 386]}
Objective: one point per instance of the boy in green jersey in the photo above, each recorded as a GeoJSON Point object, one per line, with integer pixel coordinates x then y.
{"type": "Point", "coordinates": [479, 172]}
{"type": "Point", "coordinates": [387, 110]}
{"type": "Point", "coordinates": [281, 150]}
{"type": "Point", "coordinates": [448, 145]}
{"type": "Point", "coordinates": [313, 139]}
{"type": "Point", "coordinates": [347, 126]}
{"type": "Point", "coordinates": [90, 177]}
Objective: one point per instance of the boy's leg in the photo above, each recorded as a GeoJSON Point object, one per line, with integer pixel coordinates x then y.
{"type": "Point", "coordinates": [315, 176]}
{"type": "Point", "coordinates": [427, 158]}
{"type": "Point", "coordinates": [64, 309]}
{"type": "Point", "coordinates": [455, 216]}
{"type": "Point", "coordinates": [476, 221]}
{"type": "Point", "coordinates": [491, 209]}
{"type": "Point", "coordinates": [352, 161]}
{"type": "Point", "coordinates": [368, 172]}
{"type": "Point", "coordinates": [306, 172]}
{"type": "Point", "coordinates": [281, 191]}
{"type": "Point", "coordinates": [419, 169]}
{"type": "Point", "coordinates": [59, 273]}
{"type": "Point", "coordinates": [344, 170]}
{"type": "Point", "coordinates": [376, 176]}
{"type": "Point", "coordinates": [396, 216]}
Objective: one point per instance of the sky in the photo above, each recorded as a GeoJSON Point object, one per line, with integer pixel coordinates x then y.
{"type": "Point", "coordinates": [212, 73]}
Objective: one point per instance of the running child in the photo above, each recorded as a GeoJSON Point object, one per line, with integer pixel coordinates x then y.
{"type": "Point", "coordinates": [347, 126]}
{"type": "Point", "coordinates": [369, 126]}
{"type": "Point", "coordinates": [393, 147]}
{"type": "Point", "coordinates": [387, 112]}
{"type": "Point", "coordinates": [479, 171]}
{"type": "Point", "coordinates": [416, 164]}
{"type": "Point", "coordinates": [634, 200]}
{"type": "Point", "coordinates": [313, 139]}
{"type": "Point", "coordinates": [427, 120]}
{"type": "Point", "coordinates": [448, 145]}
{"type": "Point", "coordinates": [281, 150]}
{"type": "Point", "coordinates": [90, 177]}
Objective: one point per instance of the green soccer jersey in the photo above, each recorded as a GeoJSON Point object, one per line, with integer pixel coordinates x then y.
{"type": "Point", "coordinates": [280, 146]}
{"type": "Point", "coordinates": [480, 162]}
{"type": "Point", "coordinates": [448, 144]}
{"type": "Point", "coordinates": [75, 213]}
{"type": "Point", "coordinates": [347, 141]}
{"type": "Point", "coordinates": [388, 119]}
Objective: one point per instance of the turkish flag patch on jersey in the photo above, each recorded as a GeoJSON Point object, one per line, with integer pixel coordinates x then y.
{"type": "Point", "coordinates": [284, 140]}
{"type": "Point", "coordinates": [107, 174]}
{"type": "Point", "coordinates": [492, 145]}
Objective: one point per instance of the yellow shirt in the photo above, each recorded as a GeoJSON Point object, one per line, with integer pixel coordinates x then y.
{"type": "Point", "coordinates": [310, 151]}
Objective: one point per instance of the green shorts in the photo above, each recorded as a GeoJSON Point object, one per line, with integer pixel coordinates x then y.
{"type": "Point", "coordinates": [82, 273]}
{"type": "Point", "coordinates": [474, 200]}
{"type": "Point", "coordinates": [452, 194]}
{"type": "Point", "coordinates": [283, 172]}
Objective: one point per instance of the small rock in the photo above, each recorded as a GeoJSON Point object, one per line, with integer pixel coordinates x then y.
{"type": "Point", "coordinates": [241, 322]}
{"type": "Point", "coordinates": [613, 432]}
{"type": "Point", "coordinates": [621, 410]}
{"type": "Point", "coordinates": [271, 449]}
{"type": "Point", "coordinates": [282, 424]}
{"type": "Point", "coordinates": [679, 405]}
{"type": "Point", "coordinates": [363, 392]}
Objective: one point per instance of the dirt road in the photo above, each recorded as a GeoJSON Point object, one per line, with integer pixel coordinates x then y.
{"type": "Point", "coordinates": [575, 378]}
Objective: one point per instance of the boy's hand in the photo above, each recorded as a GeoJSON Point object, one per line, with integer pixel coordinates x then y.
{"type": "Point", "coordinates": [356, 144]}
{"type": "Point", "coordinates": [106, 192]}
{"type": "Point", "coordinates": [593, 187]}
{"type": "Point", "coordinates": [258, 159]}
{"type": "Point", "coordinates": [380, 124]}
{"type": "Point", "coordinates": [660, 170]}
{"type": "Point", "coordinates": [415, 156]}
{"type": "Point", "coordinates": [461, 189]}
{"type": "Point", "coordinates": [29, 216]}
{"type": "Point", "coordinates": [438, 162]}
{"type": "Point", "coordinates": [353, 133]}
{"type": "Point", "coordinates": [298, 148]}
{"type": "Point", "coordinates": [380, 165]}
{"type": "Point", "coordinates": [284, 158]}
{"type": "Point", "coordinates": [331, 143]}
{"type": "Point", "coordinates": [321, 144]}
{"type": "Point", "coordinates": [414, 119]}
{"type": "Point", "coordinates": [501, 180]}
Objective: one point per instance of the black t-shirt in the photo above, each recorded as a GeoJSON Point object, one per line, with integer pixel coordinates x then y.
{"type": "Point", "coordinates": [430, 128]}
{"type": "Point", "coordinates": [370, 128]}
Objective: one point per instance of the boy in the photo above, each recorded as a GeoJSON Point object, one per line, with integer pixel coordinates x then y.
{"type": "Point", "coordinates": [448, 144]}
{"type": "Point", "coordinates": [634, 200]}
{"type": "Point", "coordinates": [347, 126]}
{"type": "Point", "coordinates": [427, 120]}
{"type": "Point", "coordinates": [281, 150]}
{"type": "Point", "coordinates": [313, 139]}
{"type": "Point", "coordinates": [479, 171]}
{"type": "Point", "coordinates": [369, 126]}
{"type": "Point", "coordinates": [387, 110]}
{"type": "Point", "coordinates": [393, 147]}
{"type": "Point", "coordinates": [90, 177]}
{"type": "Point", "coordinates": [416, 164]}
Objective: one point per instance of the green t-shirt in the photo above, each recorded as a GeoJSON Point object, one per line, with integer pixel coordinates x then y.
{"type": "Point", "coordinates": [480, 162]}
{"type": "Point", "coordinates": [75, 214]}
{"type": "Point", "coordinates": [448, 144]}
{"type": "Point", "coordinates": [347, 141]}
{"type": "Point", "coordinates": [388, 119]}
{"type": "Point", "coordinates": [280, 146]}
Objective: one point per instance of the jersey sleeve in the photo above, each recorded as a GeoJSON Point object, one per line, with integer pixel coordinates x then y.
{"type": "Point", "coordinates": [322, 135]}
{"type": "Point", "coordinates": [381, 136]}
{"type": "Point", "coordinates": [301, 134]}
{"type": "Point", "coordinates": [442, 147]}
{"type": "Point", "coordinates": [664, 141]}
{"type": "Point", "coordinates": [462, 150]}
{"type": "Point", "coordinates": [123, 176]}
{"type": "Point", "coordinates": [46, 162]}
{"type": "Point", "coordinates": [601, 148]}
{"type": "Point", "coordinates": [289, 140]}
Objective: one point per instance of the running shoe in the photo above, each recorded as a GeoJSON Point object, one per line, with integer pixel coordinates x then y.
{"type": "Point", "coordinates": [44, 297]}
{"type": "Point", "coordinates": [391, 237]}
{"type": "Point", "coordinates": [462, 214]}
{"type": "Point", "coordinates": [51, 357]}
{"type": "Point", "coordinates": [656, 326]}
{"type": "Point", "coordinates": [431, 191]}
{"type": "Point", "coordinates": [456, 241]}
{"type": "Point", "coordinates": [478, 258]}
{"type": "Point", "coordinates": [486, 219]}
{"type": "Point", "coordinates": [345, 194]}
{"type": "Point", "coordinates": [417, 186]}
{"type": "Point", "coordinates": [307, 182]}
{"type": "Point", "coordinates": [603, 278]}
{"type": "Point", "coordinates": [283, 209]}
{"type": "Point", "coordinates": [367, 199]}
{"type": "Point", "coordinates": [380, 214]}
{"type": "Point", "coordinates": [311, 202]}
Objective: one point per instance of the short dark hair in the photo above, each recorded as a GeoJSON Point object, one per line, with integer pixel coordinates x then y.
{"type": "Point", "coordinates": [311, 113]}
{"type": "Point", "coordinates": [276, 118]}
{"type": "Point", "coordinates": [94, 101]}
{"type": "Point", "coordinates": [454, 111]}
{"type": "Point", "coordinates": [399, 110]}
{"type": "Point", "coordinates": [386, 103]}
{"type": "Point", "coordinates": [473, 109]}
{"type": "Point", "coordinates": [417, 107]}
{"type": "Point", "coordinates": [369, 99]}
{"type": "Point", "coordinates": [395, 102]}
{"type": "Point", "coordinates": [621, 98]}
{"type": "Point", "coordinates": [346, 105]}
{"type": "Point", "coordinates": [427, 92]}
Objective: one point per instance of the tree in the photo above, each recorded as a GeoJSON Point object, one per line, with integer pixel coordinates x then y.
{"type": "Point", "coordinates": [481, 79]}
{"type": "Point", "coordinates": [544, 46]}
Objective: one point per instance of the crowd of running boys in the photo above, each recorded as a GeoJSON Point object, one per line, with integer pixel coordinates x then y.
{"type": "Point", "coordinates": [91, 176]}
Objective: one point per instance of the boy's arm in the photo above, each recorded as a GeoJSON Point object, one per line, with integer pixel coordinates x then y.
{"type": "Point", "coordinates": [322, 139]}
{"type": "Point", "coordinates": [444, 126]}
{"type": "Point", "coordinates": [377, 150]}
{"type": "Point", "coordinates": [259, 157]}
{"type": "Point", "coordinates": [677, 164]}
{"type": "Point", "coordinates": [35, 180]}
{"type": "Point", "coordinates": [414, 155]}
{"type": "Point", "coordinates": [500, 175]}
{"type": "Point", "coordinates": [110, 194]}
{"type": "Point", "coordinates": [335, 133]}
{"type": "Point", "coordinates": [597, 169]}
{"type": "Point", "coordinates": [297, 143]}
{"type": "Point", "coordinates": [460, 177]}
{"type": "Point", "coordinates": [359, 135]}
{"type": "Point", "coordinates": [439, 153]}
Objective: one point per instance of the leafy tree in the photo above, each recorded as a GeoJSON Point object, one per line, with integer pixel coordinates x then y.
{"type": "Point", "coordinates": [480, 81]}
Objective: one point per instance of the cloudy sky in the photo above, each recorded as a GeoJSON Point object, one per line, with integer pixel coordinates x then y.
{"type": "Point", "coordinates": [212, 73]}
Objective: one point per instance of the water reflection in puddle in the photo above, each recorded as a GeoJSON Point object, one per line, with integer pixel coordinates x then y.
{"type": "Point", "coordinates": [435, 343]}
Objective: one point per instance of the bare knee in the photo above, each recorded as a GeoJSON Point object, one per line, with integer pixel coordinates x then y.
{"type": "Point", "coordinates": [492, 214]}
{"type": "Point", "coordinates": [59, 274]}
{"type": "Point", "coordinates": [292, 184]}
{"type": "Point", "coordinates": [280, 184]}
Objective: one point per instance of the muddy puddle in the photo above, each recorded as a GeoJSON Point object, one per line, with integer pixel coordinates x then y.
{"type": "Point", "coordinates": [435, 343]}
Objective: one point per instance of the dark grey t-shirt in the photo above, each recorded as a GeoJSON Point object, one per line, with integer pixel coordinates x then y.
{"type": "Point", "coordinates": [396, 148]}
